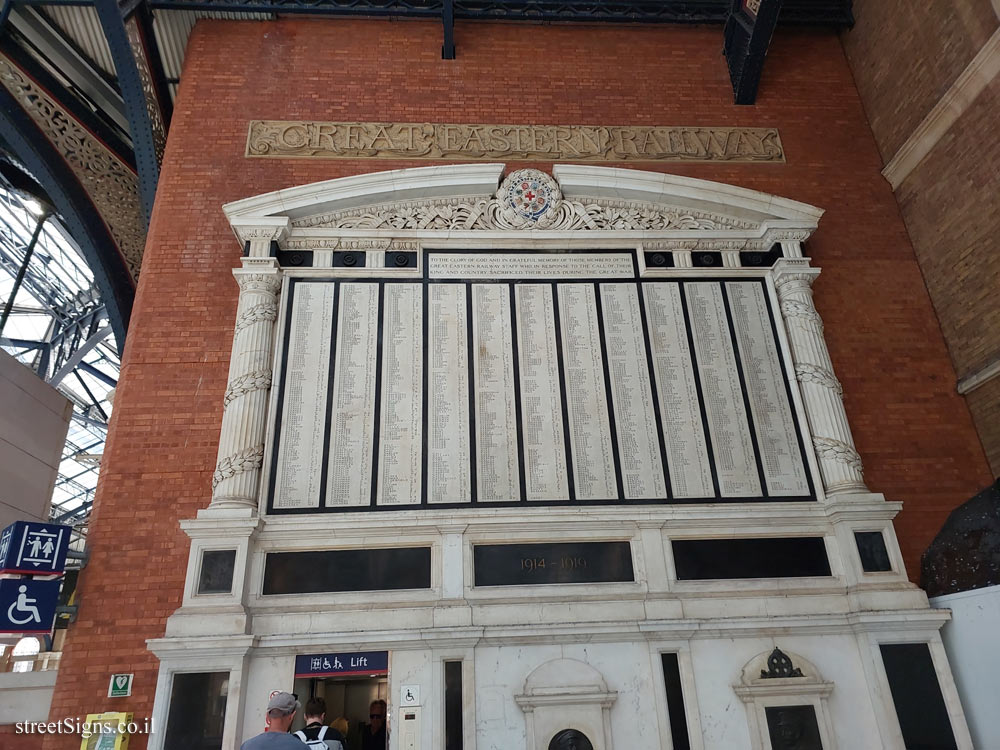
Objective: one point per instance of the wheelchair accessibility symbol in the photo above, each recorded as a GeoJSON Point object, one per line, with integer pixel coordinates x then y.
{"type": "Point", "coordinates": [24, 605]}
{"type": "Point", "coordinates": [27, 605]}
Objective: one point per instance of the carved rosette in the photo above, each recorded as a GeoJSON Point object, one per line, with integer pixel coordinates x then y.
{"type": "Point", "coordinates": [236, 480]}
{"type": "Point", "coordinates": [528, 199]}
{"type": "Point", "coordinates": [822, 394]}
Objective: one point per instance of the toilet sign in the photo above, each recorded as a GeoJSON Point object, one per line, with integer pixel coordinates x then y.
{"type": "Point", "coordinates": [31, 548]}
{"type": "Point", "coordinates": [120, 686]}
{"type": "Point", "coordinates": [27, 605]}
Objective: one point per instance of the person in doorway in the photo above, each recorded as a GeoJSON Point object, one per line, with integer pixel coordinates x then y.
{"type": "Point", "coordinates": [281, 710]}
{"type": "Point", "coordinates": [341, 725]}
{"type": "Point", "coordinates": [373, 735]}
{"type": "Point", "coordinates": [316, 734]}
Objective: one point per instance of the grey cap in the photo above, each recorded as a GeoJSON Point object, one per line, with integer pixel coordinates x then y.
{"type": "Point", "coordinates": [283, 703]}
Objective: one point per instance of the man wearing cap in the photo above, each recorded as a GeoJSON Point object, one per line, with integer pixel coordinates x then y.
{"type": "Point", "coordinates": [281, 710]}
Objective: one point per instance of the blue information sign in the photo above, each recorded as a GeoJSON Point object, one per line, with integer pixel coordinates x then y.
{"type": "Point", "coordinates": [33, 548]}
{"type": "Point", "coordinates": [331, 665]}
{"type": "Point", "coordinates": [28, 605]}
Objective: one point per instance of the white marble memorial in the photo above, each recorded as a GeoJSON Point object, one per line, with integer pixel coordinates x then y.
{"type": "Point", "coordinates": [589, 424]}
{"type": "Point", "coordinates": [594, 343]}
{"type": "Point", "coordinates": [687, 451]}
{"type": "Point", "coordinates": [448, 445]}
{"type": "Point", "coordinates": [545, 471]}
{"type": "Point", "coordinates": [631, 395]}
{"type": "Point", "coordinates": [727, 418]}
{"type": "Point", "coordinates": [303, 408]}
{"type": "Point", "coordinates": [497, 464]}
{"type": "Point", "coordinates": [352, 411]}
{"type": "Point", "coordinates": [400, 444]}
{"type": "Point", "coordinates": [784, 469]}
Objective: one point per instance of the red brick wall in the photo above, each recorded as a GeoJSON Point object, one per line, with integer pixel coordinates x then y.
{"type": "Point", "coordinates": [11, 740]}
{"type": "Point", "coordinates": [905, 56]}
{"type": "Point", "coordinates": [913, 431]}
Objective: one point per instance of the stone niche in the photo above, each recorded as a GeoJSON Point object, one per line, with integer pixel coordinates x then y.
{"type": "Point", "coordinates": [566, 694]}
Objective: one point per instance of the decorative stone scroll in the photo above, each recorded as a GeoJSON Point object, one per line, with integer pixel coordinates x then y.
{"type": "Point", "coordinates": [389, 140]}
{"type": "Point", "coordinates": [527, 199]}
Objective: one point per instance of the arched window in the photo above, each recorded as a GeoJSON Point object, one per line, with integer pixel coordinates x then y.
{"type": "Point", "coordinates": [24, 654]}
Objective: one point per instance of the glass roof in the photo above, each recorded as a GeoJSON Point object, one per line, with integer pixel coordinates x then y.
{"type": "Point", "coordinates": [58, 327]}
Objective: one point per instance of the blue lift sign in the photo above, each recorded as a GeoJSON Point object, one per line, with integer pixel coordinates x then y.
{"type": "Point", "coordinates": [28, 605]}
{"type": "Point", "coordinates": [32, 548]}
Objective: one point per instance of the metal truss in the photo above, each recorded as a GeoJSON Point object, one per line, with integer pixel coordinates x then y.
{"type": "Point", "coordinates": [59, 327]}
{"type": "Point", "coordinates": [820, 12]}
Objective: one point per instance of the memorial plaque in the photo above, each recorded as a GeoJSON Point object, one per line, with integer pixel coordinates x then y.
{"type": "Point", "coordinates": [530, 265]}
{"type": "Point", "coordinates": [631, 395]}
{"type": "Point", "coordinates": [774, 423]}
{"type": "Point", "coordinates": [752, 557]}
{"type": "Point", "coordinates": [732, 446]}
{"type": "Point", "coordinates": [352, 417]}
{"type": "Point", "coordinates": [448, 455]}
{"type": "Point", "coordinates": [497, 467]}
{"type": "Point", "coordinates": [327, 571]}
{"type": "Point", "coordinates": [400, 431]}
{"type": "Point", "coordinates": [567, 562]}
{"type": "Point", "coordinates": [303, 407]}
{"type": "Point", "coordinates": [589, 426]}
{"type": "Point", "coordinates": [545, 473]}
{"type": "Point", "coordinates": [464, 388]}
{"type": "Point", "coordinates": [684, 433]}
{"type": "Point", "coordinates": [793, 728]}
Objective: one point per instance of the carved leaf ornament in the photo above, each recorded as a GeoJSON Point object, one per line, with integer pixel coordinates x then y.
{"type": "Point", "coordinates": [526, 199]}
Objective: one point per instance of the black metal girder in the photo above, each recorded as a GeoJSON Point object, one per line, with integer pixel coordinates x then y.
{"type": "Point", "coordinates": [130, 83]}
{"type": "Point", "coordinates": [21, 136]}
{"type": "Point", "coordinates": [836, 13]}
{"type": "Point", "coordinates": [747, 35]}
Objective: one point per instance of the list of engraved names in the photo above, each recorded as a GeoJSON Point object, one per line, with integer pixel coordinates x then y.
{"type": "Point", "coordinates": [556, 387]}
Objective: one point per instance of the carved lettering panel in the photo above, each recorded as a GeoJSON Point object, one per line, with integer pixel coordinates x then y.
{"type": "Point", "coordinates": [408, 140]}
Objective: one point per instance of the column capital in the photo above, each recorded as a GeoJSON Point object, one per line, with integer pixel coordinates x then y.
{"type": "Point", "coordinates": [788, 270]}
{"type": "Point", "coordinates": [259, 278]}
{"type": "Point", "coordinates": [261, 232]}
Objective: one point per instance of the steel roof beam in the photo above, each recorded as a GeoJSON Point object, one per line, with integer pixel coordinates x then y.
{"type": "Point", "coordinates": [140, 119]}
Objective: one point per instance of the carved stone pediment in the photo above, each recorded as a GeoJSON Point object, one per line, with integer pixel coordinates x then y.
{"type": "Point", "coordinates": [527, 199]}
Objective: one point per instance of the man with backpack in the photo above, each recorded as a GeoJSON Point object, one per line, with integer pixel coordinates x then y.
{"type": "Point", "coordinates": [316, 734]}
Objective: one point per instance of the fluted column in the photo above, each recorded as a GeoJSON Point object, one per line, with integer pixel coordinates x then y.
{"type": "Point", "coordinates": [822, 394]}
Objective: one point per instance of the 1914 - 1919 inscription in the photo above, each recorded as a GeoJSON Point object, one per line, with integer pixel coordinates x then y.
{"type": "Point", "coordinates": [567, 562]}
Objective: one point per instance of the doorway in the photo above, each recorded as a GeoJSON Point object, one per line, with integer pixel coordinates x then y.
{"type": "Point", "coordinates": [348, 696]}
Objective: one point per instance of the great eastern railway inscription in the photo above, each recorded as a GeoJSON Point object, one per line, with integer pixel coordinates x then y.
{"type": "Point", "coordinates": [409, 140]}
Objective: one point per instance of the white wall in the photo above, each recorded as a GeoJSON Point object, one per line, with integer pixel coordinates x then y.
{"type": "Point", "coordinates": [33, 424]}
{"type": "Point", "coordinates": [971, 640]}
{"type": "Point", "coordinates": [26, 696]}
